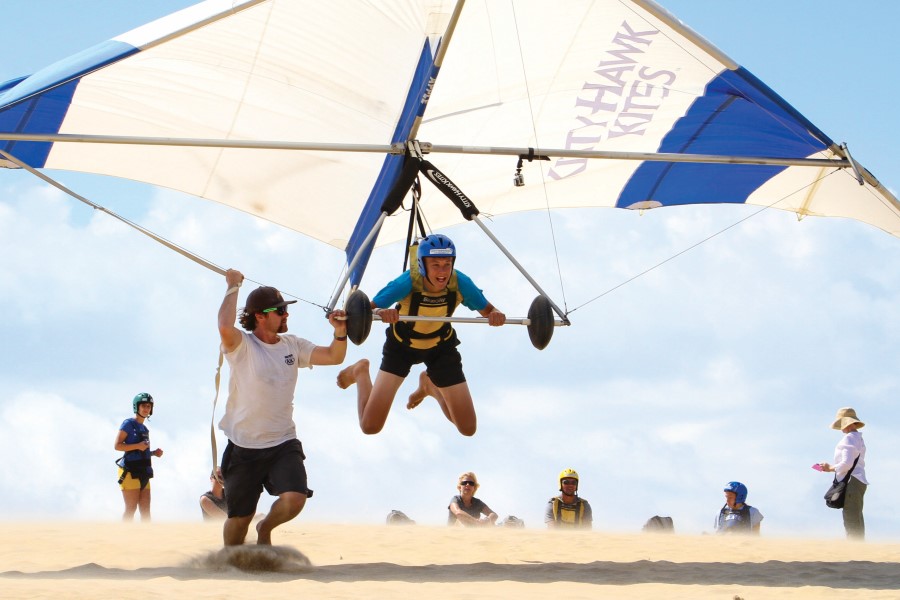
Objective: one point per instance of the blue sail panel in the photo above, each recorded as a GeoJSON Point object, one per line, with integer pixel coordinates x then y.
{"type": "Point", "coordinates": [718, 123]}
{"type": "Point", "coordinates": [39, 103]}
{"type": "Point", "coordinates": [413, 108]}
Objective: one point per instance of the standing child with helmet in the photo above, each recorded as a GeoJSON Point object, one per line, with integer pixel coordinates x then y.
{"type": "Point", "coordinates": [433, 288]}
{"type": "Point", "coordinates": [135, 469]}
{"type": "Point", "coordinates": [568, 510]}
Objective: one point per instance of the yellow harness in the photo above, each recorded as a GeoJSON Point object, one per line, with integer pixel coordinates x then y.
{"type": "Point", "coordinates": [423, 335]}
{"type": "Point", "coordinates": [568, 514]}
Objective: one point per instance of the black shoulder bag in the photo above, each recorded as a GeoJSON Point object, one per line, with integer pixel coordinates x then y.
{"type": "Point", "coordinates": [834, 497]}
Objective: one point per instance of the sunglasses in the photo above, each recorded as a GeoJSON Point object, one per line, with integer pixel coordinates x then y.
{"type": "Point", "coordinates": [462, 483]}
{"type": "Point", "coordinates": [570, 482]}
{"type": "Point", "coordinates": [280, 311]}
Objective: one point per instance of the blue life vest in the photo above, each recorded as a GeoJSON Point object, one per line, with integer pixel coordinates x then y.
{"type": "Point", "coordinates": [734, 521]}
{"type": "Point", "coordinates": [136, 462]}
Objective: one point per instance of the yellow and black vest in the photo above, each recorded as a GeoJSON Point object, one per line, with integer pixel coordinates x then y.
{"type": "Point", "coordinates": [423, 335]}
{"type": "Point", "coordinates": [568, 514]}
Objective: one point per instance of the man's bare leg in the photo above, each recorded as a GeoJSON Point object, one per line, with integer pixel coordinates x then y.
{"type": "Point", "coordinates": [288, 506]}
{"type": "Point", "coordinates": [234, 532]}
{"type": "Point", "coordinates": [427, 388]}
{"type": "Point", "coordinates": [373, 402]}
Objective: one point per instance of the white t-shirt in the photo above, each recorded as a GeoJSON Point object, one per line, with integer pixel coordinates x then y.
{"type": "Point", "coordinates": [260, 407]}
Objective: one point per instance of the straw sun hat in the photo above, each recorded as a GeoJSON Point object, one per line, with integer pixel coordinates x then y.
{"type": "Point", "coordinates": [844, 418]}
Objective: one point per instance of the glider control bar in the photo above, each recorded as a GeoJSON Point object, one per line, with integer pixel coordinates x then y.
{"type": "Point", "coordinates": [400, 148]}
{"type": "Point", "coordinates": [540, 321]}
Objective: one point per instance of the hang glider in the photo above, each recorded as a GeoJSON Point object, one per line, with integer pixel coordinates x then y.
{"type": "Point", "coordinates": [307, 113]}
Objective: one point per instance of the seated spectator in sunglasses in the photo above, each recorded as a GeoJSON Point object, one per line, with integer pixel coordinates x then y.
{"type": "Point", "coordinates": [465, 508]}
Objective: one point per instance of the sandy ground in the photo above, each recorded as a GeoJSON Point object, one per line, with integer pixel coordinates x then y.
{"type": "Point", "coordinates": [185, 560]}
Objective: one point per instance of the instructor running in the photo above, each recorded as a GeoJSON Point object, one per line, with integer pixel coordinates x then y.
{"type": "Point", "coordinates": [263, 450]}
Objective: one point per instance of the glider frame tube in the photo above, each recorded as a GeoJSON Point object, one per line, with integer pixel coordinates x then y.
{"type": "Point", "coordinates": [521, 269]}
{"type": "Point", "coordinates": [370, 239]}
{"type": "Point", "coordinates": [426, 149]}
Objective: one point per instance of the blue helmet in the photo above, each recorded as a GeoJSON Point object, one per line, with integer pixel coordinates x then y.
{"type": "Point", "coordinates": [142, 398]}
{"type": "Point", "coordinates": [739, 489]}
{"type": "Point", "coordinates": [435, 245]}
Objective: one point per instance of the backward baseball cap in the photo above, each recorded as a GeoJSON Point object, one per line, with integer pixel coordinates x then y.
{"type": "Point", "coordinates": [265, 297]}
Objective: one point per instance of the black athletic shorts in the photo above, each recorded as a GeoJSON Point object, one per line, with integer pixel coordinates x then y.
{"type": "Point", "coordinates": [247, 471]}
{"type": "Point", "coordinates": [442, 363]}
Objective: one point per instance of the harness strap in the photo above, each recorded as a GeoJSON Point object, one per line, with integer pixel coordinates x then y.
{"type": "Point", "coordinates": [406, 331]}
{"type": "Point", "coordinates": [212, 420]}
{"type": "Point", "coordinates": [557, 513]}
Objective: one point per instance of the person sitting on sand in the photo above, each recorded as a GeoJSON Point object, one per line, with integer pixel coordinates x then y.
{"type": "Point", "coordinates": [568, 510]}
{"type": "Point", "coordinates": [465, 508]}
{"type": "Point", "coordinates": [213, 503]}
{"type": "Point", "coordinates": [737, 516]}
{"type": "Point", "coordinates": [433, 288]}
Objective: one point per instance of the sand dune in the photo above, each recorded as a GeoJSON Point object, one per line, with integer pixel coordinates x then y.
{"type": "Point", "coordinates": [185, 560]}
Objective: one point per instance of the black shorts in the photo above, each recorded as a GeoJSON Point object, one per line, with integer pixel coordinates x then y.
{"type": "Point", "coordinates": [247, 471]}
{"type": "Point", "coordinates": [442, 363]}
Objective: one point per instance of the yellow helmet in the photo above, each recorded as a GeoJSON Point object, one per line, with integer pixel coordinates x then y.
{"type": "Point", "coordinates": [568, 474]}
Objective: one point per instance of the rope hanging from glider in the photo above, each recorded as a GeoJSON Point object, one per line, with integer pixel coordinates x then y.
{"type": "Point", "coordinates": [415, 218]}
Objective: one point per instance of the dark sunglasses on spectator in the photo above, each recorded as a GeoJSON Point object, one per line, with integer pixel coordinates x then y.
{"type": "Point", "coordinates": [570, 482]}
{"type": "Point", "coordinates": [279, 311]}
{"type": "Point", "coordinates": [472, 483]}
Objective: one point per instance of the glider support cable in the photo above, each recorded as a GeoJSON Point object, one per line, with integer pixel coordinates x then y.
{"type": "Point", "coordinates": [512, 259]}
{"type": "Point", "coordinates": [172, 246]}
{"type": "Point", "coordinates": [370, 239]}
{"type": "Point", "coordinates": [155, 237]}
{"type": "Point", "coordinates": [519, 178]}
{"type": "Point", "coordinates": [699, 243]}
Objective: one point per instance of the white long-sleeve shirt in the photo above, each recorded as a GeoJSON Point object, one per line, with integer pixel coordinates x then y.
{"type": "Point", "coordinates": [850, 446]}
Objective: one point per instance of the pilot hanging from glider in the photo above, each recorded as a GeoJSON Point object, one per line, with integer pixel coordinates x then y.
{"type": "Point", "coordinates": [431, 287]}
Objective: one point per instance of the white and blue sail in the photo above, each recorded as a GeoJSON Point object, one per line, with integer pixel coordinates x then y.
{"type": "Point", "coordinates": [320, 90]}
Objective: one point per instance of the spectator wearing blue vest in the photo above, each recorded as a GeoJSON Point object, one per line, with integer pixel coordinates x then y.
{"type": "Point", "coordinates": [737, 516]}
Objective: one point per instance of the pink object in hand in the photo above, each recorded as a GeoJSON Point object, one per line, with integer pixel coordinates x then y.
{"type": "Point", "coordinates": [817, 467]}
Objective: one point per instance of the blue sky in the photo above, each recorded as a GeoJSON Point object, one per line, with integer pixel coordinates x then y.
{"type": "Point", "coordinates": [726, 363]}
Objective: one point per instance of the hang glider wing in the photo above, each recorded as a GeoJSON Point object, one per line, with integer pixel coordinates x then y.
{"type": "Point", "coordinates": [600, 76]}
